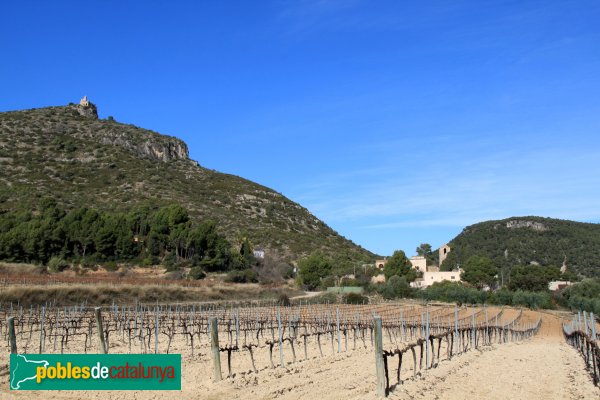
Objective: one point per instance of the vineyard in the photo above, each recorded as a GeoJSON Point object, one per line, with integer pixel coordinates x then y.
{"type": "Point", "coordinates": [581, 333]}
{"type": "Point", "coordinates": [242, 343]}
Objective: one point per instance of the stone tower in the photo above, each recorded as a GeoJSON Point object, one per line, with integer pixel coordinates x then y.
{"type": "Point", "coordinates": [84, 102]}
{"type": "Point", "coordinates": [444, 250]}
{"type": "Point", "coordinates": [85, 108]}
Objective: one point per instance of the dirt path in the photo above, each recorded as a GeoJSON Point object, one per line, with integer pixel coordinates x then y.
{"type": "Point", "coordinates": [544, 367]}
{"type": "Point", "coordinates": [306, 295]}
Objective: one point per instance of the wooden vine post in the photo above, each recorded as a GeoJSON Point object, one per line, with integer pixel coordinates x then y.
{"type": "Point", "coordinates": [280, 336]}
{"type": "Point", "coordinates": [338, 330]}
{"type": "Point", "coordinates": [379, 363]}
{"type": "Point", "coordinates": [455, 345]}
{"type": "Point", "coordinates": [427, 336]}
{"type": "Point", "coordinates": [474, 332]}
{"type": "Point", "coordinates": [41, 350]}
{"type": "Point", "coordinates": [101, 338]}
{"type": "Point", "coordinates": [593, 323]}
{"type": "Point", "coordinates": [11, 335]}
{"type": "Point", "coordinates": [156, 330]}
{"type": "Point", "coordinates": [214, 344]}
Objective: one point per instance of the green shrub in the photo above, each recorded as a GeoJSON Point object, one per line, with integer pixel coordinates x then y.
{"type": "Point", "coordinates": [312, 269]}
{"type": "Point", "coordinates": [287, 271]}
{"type": "Point", "coordinates": [87, 262]}
{"type": "Point", "coordinates": [350, 282]}
{"type": "Point", "coordinates": [533, 300]}
{"type": "Point", "coordinates": [110, 266]}
{"type": "Point", "coordinates": [197, 273]}
{"type": "Point", "coordinates": [355, 298]}
{"type": "Point", "coordinates": [283, 300]}
{"type": "Point", "coordinates": [584, 304]}
{"type": "Point", "coordinates": [453, 292]}
{"type": "Point", "coordinates": [57, 264]}
{"type": "Point", "coordinates": [172, 263]}
{"type": "Point", "coordinates": [501, 297]}
{"type": "Point", "coordinates": [326, 298]}
{"type": "Point", "coordinates": [150, 261]}
{"type": "Point", "coordinates": [244, 276]}
{"type": "Point", "coordinates": [395, 287]}
{"type": "Point", "coordinates": [328, 281]}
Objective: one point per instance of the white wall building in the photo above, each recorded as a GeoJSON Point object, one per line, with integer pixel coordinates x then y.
{"type": "Point", "coordinates": [558, 285]}
{"type": "Point", "coordinates": [429, 278]}
{"type": "Point", "coordinates": [419, 263]}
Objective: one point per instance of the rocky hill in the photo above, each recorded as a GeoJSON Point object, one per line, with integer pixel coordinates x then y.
{"type": "Point", "coordinates": [69, 154]}
{"type": "Point", "coordinates": [531, 240]}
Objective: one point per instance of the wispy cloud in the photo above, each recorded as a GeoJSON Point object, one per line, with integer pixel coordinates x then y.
{"type": "Point", "coordinates": [309, 15]}
{"type": "Point", "coordinates": [312, 16]}
{"type": "Point", "coordinates": [314, 8]}
{"type": "Point", "coordinates": [463, 187]}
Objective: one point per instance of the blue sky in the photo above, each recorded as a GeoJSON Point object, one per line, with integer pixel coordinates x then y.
{"type": "Point", "coordinates": [395, 123]}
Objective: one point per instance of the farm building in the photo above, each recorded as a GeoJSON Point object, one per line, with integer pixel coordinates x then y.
{"type": "Point", "coordinates": [430, 274]}
{"type": "Point", "coordinates": [431, 277]}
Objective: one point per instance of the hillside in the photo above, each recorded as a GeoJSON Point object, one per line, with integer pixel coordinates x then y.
{"type": "Point", "coordinates": [525, 240]}
{"type": "Point", "coordinates": [69, 154]}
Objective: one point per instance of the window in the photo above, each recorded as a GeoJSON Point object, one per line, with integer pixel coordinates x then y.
{"type": "Point", "coordinates": [452, 277]}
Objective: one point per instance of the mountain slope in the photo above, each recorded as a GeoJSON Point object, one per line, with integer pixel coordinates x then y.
{"type": "Point", "coordinates": [67, 153]}
{"type": "Point", "coordinates": [524, 240]}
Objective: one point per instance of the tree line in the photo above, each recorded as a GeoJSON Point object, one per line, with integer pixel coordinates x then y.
{"type": "Point", "coordinates": [146, 234]}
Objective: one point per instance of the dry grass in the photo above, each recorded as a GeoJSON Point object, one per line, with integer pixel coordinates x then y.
{"type": "Point", "coordinates": [29, 274]}
{"type": "Point", "coordinates": [26, 284]}
{"type": "Point", "coordinates": [65, 295]}
{"type": "Point", "coordinates": [18, 268]}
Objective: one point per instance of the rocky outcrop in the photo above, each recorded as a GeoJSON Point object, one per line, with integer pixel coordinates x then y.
{"type": "Point", "coordinates": [85, 108]}
{"type": "Point", "coordinates": [140, 142]}
{"type": "Point", "coordinates": [518, 223]}
{"type": "Point", "coordinates": [157, 149]}
{"type": "Point", "coordinates": [175, 150]}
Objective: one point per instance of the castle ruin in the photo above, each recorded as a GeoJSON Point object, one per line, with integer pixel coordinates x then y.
{"type": "Point", "coordinates": [84, 102]}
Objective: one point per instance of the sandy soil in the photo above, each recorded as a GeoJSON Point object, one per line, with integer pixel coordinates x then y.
{"type": "Point", "coordinates": [544, 367]}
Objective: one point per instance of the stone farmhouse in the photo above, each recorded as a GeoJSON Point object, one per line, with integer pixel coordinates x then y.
{"type": "Point", "coordinates": [430, 274]}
